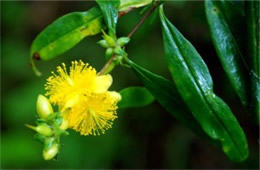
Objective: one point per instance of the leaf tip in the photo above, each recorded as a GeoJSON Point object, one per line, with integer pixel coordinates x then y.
{"type": "Point", "coordinates": [34, 68]}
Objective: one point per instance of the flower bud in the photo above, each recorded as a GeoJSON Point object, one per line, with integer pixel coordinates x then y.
{"type": "Point", "coordinates": [103, 43]}
{"type": "Point", "coordinates": [123, 41]}
{"type": "Point", "coordinates": [118, 50]}
{"type": "Point", "coordinates": [109, 40]}
{"type": "Point", "coordinates": [42, 129]}
{"type": "Point", "coordinates": [51, 152]}
{"type": "Point", "coordinates": [109, 53]}
{"type": "Point", "coordinates": [43, 107]}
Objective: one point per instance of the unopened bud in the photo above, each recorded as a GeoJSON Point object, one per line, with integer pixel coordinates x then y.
{"type": "Point", "coordinates": [123, 41]}
{"type": "Point", "coordinates": [118, 50]}
{"type": "Point", "coordinates": [42, 129]}
{"type": "Point", "coordinates": [51, 152]}
{"type": "Point", "coordinates": [43, 107]}
{"type": "Point", "coordinates": [109, 53]}
{"type": "Point", "coordinates": [109, 40]}
{"type": "Point", "coordinates": [103, 43]}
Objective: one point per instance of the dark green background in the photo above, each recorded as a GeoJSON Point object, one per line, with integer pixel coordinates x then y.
{"type": "Point", "coordinates": [146, 137]}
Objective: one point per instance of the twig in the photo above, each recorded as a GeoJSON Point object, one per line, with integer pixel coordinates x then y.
{"type": "Point", "coordinates": [106, 65]}
{"type": "Point", "coordinates": [131, 33]}
{"type": "Point", "coordinates": [143, 18]}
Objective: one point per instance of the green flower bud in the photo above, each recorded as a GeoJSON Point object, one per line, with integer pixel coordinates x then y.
{"type": "Point", "coordinates": [42, 129]}
{"type": "Point", "coordinates": [43, 107]}
{"type": "Point", "coordinates": [118, 50]}
{"type": "Point", "coordinates": [109, 40]}
{"type": "Point", "coordinates": [109, 53]}
{"type": "Point", "coordinates": [123, 41]}
{"type": "Point", "coordinates": [48, 142]}
{"type": "Point", "coordinates": [103, 43]}
{"type": "Point", "coordinates": [50, 153]}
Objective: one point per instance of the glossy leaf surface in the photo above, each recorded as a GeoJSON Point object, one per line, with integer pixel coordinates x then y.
{"type": "Point", "coordinates": [65, 33]}
{"type": "Point", "coordinates": [110, 13]}
{"type": "Point", "coordinates": [227, 47]}
{"type": "Point", "coordinates": [135, 97]}
{"type": "Point", "coordinates": [234, 13]}
{"type": "Point", "coordinates": [166, 94]}
{"type": "Point", "coordinates": [193, 81]}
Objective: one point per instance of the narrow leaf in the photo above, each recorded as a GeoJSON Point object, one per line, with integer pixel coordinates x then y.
{"type": "Point", "coordinates": [65, 33]}
{"type": "Point", "coordinates": [234, 14]}
{"type": "Point", "coordinates": [253, 53]}
{"type": "Point", "coordinates": [135, 97]}
{"type": "Point", "coordinates": [167, 95]}
{"type": "Point", "coordinates": [110, 13]}
{"type": "Point", "coordinates": [227, 47]}
{"type": "Point", "coordinates": [194, 83]}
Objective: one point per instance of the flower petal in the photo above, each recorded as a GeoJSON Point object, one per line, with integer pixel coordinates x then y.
{"type": "Point", "coordinates": [115, 96]}
{"type": "Point", "coordinates": [102, 83]}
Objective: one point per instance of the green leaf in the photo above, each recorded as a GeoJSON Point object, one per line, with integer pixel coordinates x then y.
{"type": "Point", "coordinates": [127, 4]}
{"type": "Point", "coordinates": [227, 47]}
{"type": "Point", "coordinates": [65, 33]}
{"type": "Point", "coordinates": [135, 97]}
{"type": "Point", "coordinates": [194, 83]}
{"type": "Point", "coordinates": [253, 53]}
{"type": "Point", "coordinates": [167, 95]}
{"type": "Point", "coordinates": [110, 12]}
{"type": "Point", "coordinates": [234, 14]}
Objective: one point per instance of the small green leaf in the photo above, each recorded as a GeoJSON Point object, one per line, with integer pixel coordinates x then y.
{"type": "Point", "coordinates": [135, 97]}
{"type": "Point", "coordinates": [127, 4]}
{"type": "Point", "coordinates": [254, 59]}
{"type": "Point", "coordinates": [167, 95]}
{"type": "Point", "coordinates": [193, 81]}
{"type": "Point", "coordinates": [110, 13]}
{"type": "Point", "coordinates": [227, 47]}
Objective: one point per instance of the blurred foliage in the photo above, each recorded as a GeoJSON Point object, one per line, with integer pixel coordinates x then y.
{"type": "Point", "coordinates": [146, 137]}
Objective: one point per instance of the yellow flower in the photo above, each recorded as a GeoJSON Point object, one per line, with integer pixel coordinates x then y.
{"type": "Point", "coordinates": [65, 88]}
{"type": "Point", "coordinates": [93, 114]}
{"type": "Point", "coordinates": [83, 97]}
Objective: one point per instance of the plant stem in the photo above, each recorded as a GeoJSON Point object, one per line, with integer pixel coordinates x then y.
{"type": "Point", "coordinates": [148, 13]}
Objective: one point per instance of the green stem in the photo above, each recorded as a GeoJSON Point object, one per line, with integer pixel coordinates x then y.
{"type": "Point", "coordinates": [145, 16]}
{"type": "Point", "coordinates": [31, 127]}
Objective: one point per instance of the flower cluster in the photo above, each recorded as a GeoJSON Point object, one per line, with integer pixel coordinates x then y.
{"type": "Point", "coordinates": [83, 98]}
